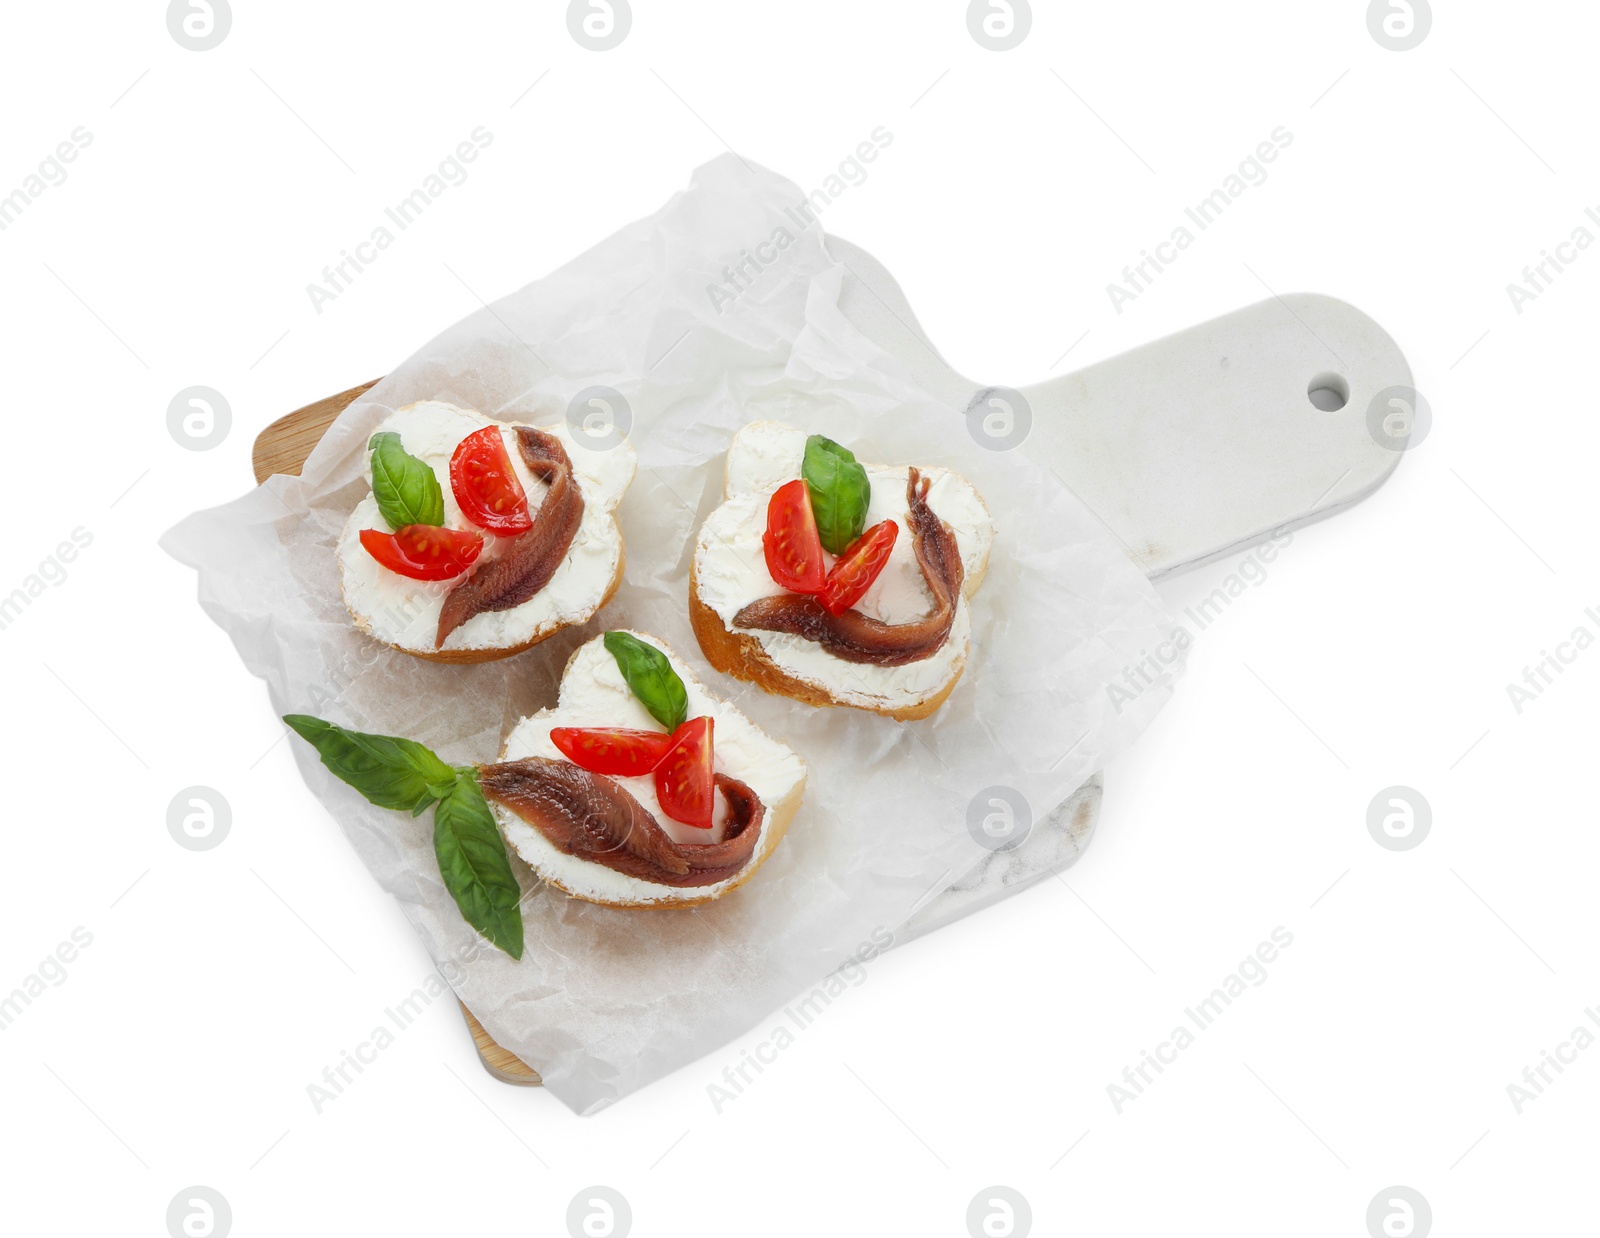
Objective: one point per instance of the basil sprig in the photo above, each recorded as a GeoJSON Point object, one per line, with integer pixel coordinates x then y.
{"type": "Point", "coordinates": [406, 489]}
{"type": "Point", "coordinates": [402, 774]}
{"type": "Point", "coordinates": [473, 862]}
{"type": "Point", "coordinates": [839, 490]}
{"type": "Point", "coordinates": [391, 772]}
{"type": "Point", "coordinates": [651, 677]}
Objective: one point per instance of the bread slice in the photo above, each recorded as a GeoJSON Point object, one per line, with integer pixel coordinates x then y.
{"type": "Point", "coordinates": [729, 571]}
{"type": "Point", "coordinates": [593, 693]}
{"type": "Point", "coordinates": [404, 613]}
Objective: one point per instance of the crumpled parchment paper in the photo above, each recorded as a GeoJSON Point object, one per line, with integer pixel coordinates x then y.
{"type": "Point", "coordinates": [606, 1000]}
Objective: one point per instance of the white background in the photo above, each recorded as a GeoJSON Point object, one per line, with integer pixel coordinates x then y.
{"type": "Point", "coordinates": [1419, 985]}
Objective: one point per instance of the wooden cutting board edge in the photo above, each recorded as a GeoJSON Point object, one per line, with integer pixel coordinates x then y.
{"type": "Point", "coordinates": [282, 448]}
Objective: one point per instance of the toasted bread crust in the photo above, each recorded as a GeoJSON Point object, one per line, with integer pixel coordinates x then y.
{"type": "Point", "coordinates": [740, 654]}
{"type": "Point", "coordinates": [463, 656]}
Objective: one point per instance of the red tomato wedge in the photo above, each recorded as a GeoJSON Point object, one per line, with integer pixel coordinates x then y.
{"type": "Point", "coordinates": [616, 751]}
{"type": "Point", "coordinates": [855, 570]}
{"type": "Point", "coordinates": [424, 551]}
{"type": "Point", "coordinates": [486, 486]}
{"type": "Point", "coordinates": [684, 784]}
{"type": "Point", "coordinates": [794, 551]}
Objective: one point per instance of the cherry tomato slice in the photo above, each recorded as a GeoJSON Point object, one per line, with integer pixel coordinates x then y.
{"type": "Point", "coordinates": [794, 551]}
{"type": "Point", "coordinates": [424, 551]}
{"type": "Point", "coordinates": [486, 486]}
{"type": "Point", "coordinates": [684, 784]}
{"type": "Point", "coordinates": [612, 750]}
{"type": "Point", "coordinates": [855, 570]}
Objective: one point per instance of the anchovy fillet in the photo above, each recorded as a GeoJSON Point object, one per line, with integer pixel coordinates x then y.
{"type": "Point", "coordinates": [856, 637]}
{"type": "Point", "coordinates": [531, 558]}
{"type": "Point", "coordinates": [594, 818]}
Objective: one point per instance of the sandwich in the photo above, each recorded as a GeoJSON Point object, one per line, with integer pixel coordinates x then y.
{"type": "Point", "coordinates": [639, 788]}
{"type": "Point", "coordinates": [838, 583]}
{"type": "Point", "coordinates": [481, 538]}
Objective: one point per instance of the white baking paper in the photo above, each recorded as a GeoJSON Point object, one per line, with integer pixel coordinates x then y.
{"type": "Point", "coordinates": [606, 1000]}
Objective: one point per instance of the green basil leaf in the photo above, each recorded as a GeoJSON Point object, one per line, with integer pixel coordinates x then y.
{"type": "Point", "coordinates": [840, 492]}
{"type": "Point", "coordinates": [651, 677]}
{"type": "Point", "coordinates": [392, 773]}
{"type": "Point", "coordinates": [475, 867]}
{"type": "Point", "coordinates": [406, 489]}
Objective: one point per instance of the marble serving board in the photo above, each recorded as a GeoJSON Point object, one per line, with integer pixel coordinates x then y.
{"type": "Point", "coordinates": [1188, 449]}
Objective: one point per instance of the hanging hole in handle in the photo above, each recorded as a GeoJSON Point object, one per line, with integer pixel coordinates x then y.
{"type": "Point", "coordinates": [1329, 392]}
